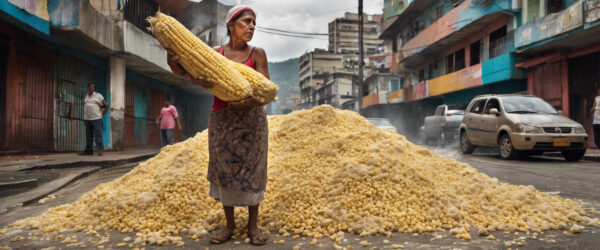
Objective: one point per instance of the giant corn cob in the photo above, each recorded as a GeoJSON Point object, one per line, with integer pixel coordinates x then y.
{"type": "Point", "coordinates": [203, 62]}
{"type": "Point", "coordinates": [200, 60]}
{"type": "Point", "coordinates": [262, 88]}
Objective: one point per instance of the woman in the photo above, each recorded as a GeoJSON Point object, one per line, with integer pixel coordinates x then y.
{"type": "Point", "coordinates": [596, 119]}
{"type": "Point", "coordinates": [238, 133]}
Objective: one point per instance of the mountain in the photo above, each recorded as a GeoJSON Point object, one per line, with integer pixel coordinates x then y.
{"type": "Point", "coordinates": [285, 75]}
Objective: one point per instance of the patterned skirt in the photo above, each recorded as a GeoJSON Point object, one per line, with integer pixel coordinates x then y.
{"type": "Point", "coordinates": [238, 147]}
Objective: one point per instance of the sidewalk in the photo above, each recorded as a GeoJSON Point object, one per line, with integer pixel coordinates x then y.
{"type": "Point", "coordinates": [27, 178]}
{"type": "Point", "coordinates": [65, 160]}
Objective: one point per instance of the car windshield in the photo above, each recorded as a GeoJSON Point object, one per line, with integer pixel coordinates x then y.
{"type": "Point", "coordinates": [380, 122]}
{"type": "Point", "coordinates": [456, 112]}
{"type": "Point", "coordinates": [526, 104]}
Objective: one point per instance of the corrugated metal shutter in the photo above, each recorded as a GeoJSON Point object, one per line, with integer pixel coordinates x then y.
{"type": "Point", "coordinates": [35, 123]}
{"type": "Point", "coordinates": [547, 83]}
{"type": "Point", "coordinates": [72, 77]}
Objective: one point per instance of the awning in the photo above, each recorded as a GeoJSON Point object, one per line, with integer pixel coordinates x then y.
{"type": "Point", "coordinates": [31, 14]}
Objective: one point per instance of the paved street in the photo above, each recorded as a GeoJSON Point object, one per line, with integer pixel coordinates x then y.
{"type": "Point", "coordinates": [577, 181]}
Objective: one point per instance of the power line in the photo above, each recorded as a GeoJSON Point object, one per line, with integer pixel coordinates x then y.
{"type": "Point", "coordinates": [294, 32]}
{"type": "Point", "coordinates": [291, 35]}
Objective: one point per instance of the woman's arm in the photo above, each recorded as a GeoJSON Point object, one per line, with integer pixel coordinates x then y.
{"type": "Point", "coordinates": [594, 107]}
{"type": "Point", "coordinates": [260, 60]}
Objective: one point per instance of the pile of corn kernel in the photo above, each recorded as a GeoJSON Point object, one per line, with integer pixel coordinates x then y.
{"type": "Point", "coordinates": [329, 171]}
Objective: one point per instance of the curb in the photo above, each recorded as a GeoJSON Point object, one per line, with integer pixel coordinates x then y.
{"type": "Point", "coordinates": [101, 164]}
{"type": "Point", "coordinates": [17, 184]}
{"type": "Point", "coordinates": [42, 191]}
{"type": "Point", "coordinates": [586, 157]}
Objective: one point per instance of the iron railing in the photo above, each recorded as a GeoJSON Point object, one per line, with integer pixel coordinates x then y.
{"type": "Point", "coordinates": [501, 46]}
{"type": "Point", "coordinates": [136, 12]}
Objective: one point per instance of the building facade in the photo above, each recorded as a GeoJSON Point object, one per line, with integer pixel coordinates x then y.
{"type": "Point", "coordinates": [560, 41]}
{"type": "Point", "coordinates": [343, 34]}
{"type": "Point", "coordinates": [316, 68]}
{"type": "Point", "coordinates": [50, 50]}
{"type": "Point", "coordinates": [450, 51]}
{"type": "Point", "coordinates": [338, 91]}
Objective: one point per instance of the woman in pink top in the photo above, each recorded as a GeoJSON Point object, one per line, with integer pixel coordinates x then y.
{"type": "Point", "coordinates": [238, 133]}
{"type": "Point", "coordinates": [168, 116]}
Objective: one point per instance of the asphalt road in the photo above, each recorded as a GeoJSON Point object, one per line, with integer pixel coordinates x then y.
{"type": "Point", "coordinates": [579, 181]}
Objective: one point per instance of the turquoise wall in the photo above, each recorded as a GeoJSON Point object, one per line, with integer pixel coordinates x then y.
{"type": "Point", "coordinates": [506, 87]}
{"type": "Point", "coordinates": [498, 69]}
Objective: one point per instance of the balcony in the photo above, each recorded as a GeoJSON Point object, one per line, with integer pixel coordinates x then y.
{"type": "Point", "coordinates": [416, 92]}
{"type": "Point", "coordinates": [105, 33]}
{"type": "Point", "coordinates": [541, 31]}
{"type": "Point", "coordinates": [455, 26]}
{"type": "Point", "coordinates": [370, 100]}
{"type": "Point", "coordinates": [396, 96]}
{"type": "Point", "coordinates": [462, 79]}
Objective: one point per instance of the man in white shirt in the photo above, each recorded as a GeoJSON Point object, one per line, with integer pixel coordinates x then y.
{"type": "Point", "coordinates": [94, 108]}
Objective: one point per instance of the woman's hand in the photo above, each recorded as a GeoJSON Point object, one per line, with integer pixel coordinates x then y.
{"type": "Point", "coordinates": [247, 103]}
{"type": "Point", "coordinates": [173, 61]}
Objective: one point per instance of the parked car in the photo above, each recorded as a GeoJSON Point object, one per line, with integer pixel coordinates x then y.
{"type": "Point", "coordinates": [382, 123]}
{"type": "Point", "coordinates": [520, 125]}
{"type": "Point", "coordinates": [443, 125]}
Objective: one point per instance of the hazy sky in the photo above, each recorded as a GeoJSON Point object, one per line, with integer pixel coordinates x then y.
{"type": "Point", "coordinates": [300, 16]}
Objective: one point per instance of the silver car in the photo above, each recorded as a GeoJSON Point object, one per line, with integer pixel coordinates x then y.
{"type": "Point", "coordinates": [443, 124]}
{"type": "Point", "coordinates": [518, 125]}
{"type": "Point", "coordinates": [382, 123]}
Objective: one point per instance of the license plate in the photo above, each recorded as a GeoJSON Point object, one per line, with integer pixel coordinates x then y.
{"type": "Point", "coordinates": [561, 142]}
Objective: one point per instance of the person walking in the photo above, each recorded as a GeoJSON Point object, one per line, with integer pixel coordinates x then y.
{"type": "Point", "coordinates": [167, 118]}
{"type": "Point", "coordinates": [94, 108]}
{"type": "Point", "coordinates": [237, 133]}
{"type": "Point", "coordinates": [596, 119]}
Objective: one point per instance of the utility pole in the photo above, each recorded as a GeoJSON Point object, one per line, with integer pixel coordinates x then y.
{"type": "Point", "coordinates": [360, 54]}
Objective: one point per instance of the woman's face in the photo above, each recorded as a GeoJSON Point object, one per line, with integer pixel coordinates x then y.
{"type": "Point", "coordinates": [243, 27]}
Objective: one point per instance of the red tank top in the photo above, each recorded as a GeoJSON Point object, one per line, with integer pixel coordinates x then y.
{"type": "Point", "coordinates": [219, 104]}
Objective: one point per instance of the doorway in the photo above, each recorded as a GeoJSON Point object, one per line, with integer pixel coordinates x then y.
{"type": "Point", "coordinates": [584, 82]}
{"type": "Point", "coordinates": [3, 73]}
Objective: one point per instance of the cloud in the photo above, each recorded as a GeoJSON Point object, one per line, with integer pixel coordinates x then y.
{"type": "Point", "coordinates": [302, 16]}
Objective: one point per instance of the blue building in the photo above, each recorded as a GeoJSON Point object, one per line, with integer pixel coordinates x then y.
{"type": "Point", "coordinates": [51, 49]}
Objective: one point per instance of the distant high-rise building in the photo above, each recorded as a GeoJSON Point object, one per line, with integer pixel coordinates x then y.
{"type": "Point", "coordinates": [343, 34]}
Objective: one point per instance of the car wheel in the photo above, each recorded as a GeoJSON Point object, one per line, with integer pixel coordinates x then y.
{"type": "Point", "coordinates": [465, 144]}
{"type": "Point", "coordinates": [573, 155]}
{"type": "Point", "coordinates": [505, 146]}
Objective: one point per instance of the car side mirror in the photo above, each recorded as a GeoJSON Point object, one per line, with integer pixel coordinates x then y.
{"type": "Point", "coordinates": [493, 111]}
{"type": "Point", "coordinates": [560, 112]}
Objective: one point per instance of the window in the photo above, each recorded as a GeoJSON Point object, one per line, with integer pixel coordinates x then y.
{"type": "Point", "coordinates": [554, 6]}
{"type": "Point", "coordinates": [492, 104]}
{"type": "Point", "coordinates": [477, 106]}
{"type": "Point", "coordinates": [430, 71]}
{"type": "Point", "coordinates": [449, 63]}
{"type": "Point", "coordinates": [439, 111]}
{"type": "Point", "coordinates": [421, 75]}
{"type": "Point", "coordinates": [475, 50]}
{"type": "Point", "coordinates": [459, 58]}
{"type": "Point", "coordinates": [498, 42]}
{"type": "Point", "coordinates": [395, 85]}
